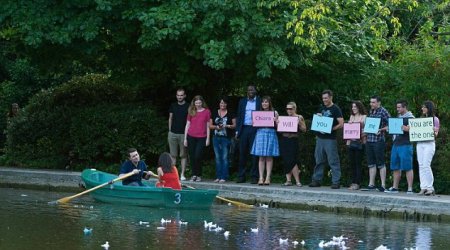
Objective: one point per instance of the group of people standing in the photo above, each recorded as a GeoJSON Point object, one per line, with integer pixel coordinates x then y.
{"type": "Point", "coordinates": [191, 127]}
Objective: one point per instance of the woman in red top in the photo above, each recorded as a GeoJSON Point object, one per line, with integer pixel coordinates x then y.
{"type": "Point", "coordinates": [167, 172]}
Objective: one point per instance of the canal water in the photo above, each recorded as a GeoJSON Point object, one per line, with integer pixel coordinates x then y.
{"type": "Point", "coordinates": [27, 221]}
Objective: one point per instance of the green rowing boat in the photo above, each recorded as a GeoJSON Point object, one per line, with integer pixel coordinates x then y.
{"type": "Point", "coordinates": [149, 196]}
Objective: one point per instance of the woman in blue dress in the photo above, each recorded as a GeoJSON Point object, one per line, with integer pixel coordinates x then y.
{"type": "Point", "coordinates": [266, 144]}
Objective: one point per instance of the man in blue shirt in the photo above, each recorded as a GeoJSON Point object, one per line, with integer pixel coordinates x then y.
{"type": "Point", "coordinates": [245, 132]}
{"type": "Point", "coordinates": [138, 167]}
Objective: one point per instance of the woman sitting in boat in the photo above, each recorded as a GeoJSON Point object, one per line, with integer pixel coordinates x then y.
{"type": "Point", "coordinates": [167, 172]}
{"type": "Point", "coordinates": [138, 167]}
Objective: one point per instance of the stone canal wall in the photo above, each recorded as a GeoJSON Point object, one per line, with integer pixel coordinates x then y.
{"type": "Point", "coordinates": [364, 203]}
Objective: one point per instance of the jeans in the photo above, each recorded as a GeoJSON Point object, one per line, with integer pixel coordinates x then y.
{"type": "Point", "coordinates": [221, 149]}
{"type": "Point", "coordinates": [246, 138]}
{"type": "Point", "coordinates": [425, 153]}
{"type": "Point", "coordinates": [375, 154]}
{"type": "Point", "coordinates": [355, 158]}
{"type": "Point", "coordinates": [326, 151]}
{"type": "Point", "coordinates": [195, 148]}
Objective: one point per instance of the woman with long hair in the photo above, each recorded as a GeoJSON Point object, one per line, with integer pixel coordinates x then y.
{"type": "Point", "coordinates": [196, 134]}
{"type": "Point", "coordinates": [426, 150]}
{"type": "Point", "coordinates": [167, 172]}
{"type": "Point", "coordinates": [355, 147]}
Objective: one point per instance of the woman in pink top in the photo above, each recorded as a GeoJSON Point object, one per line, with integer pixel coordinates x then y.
{"type": "Point", "coordinates": [196, 134]}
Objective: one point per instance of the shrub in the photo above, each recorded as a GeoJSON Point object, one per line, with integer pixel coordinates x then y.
{"type": "Point", "coordinates": [88, 120]}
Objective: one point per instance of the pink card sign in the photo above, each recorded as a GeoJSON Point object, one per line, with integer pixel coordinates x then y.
{"type": "Point", "coordinates": [263, 118]}
{"type": "Point", "coordinates": [352, 130]}
{"type": "Point", "coordinates": [287, 124]}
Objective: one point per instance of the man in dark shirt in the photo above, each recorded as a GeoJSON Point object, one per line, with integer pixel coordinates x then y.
{"type": "Point", "coordinates": [177, 122]}
{"type": "Point", "coordinates": [138, 167]}
{"type": "Point", "coordinates": [245, 132]}
{"type": "Point", "coordinates": [326, 144]}
{"type": "Point", "coordinates": [402, 151]}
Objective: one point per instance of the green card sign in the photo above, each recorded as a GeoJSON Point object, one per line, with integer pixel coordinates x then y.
{"type": "Point", "coordinates": [421, 129]}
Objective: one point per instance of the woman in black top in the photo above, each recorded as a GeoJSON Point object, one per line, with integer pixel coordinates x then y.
{"type": "Point", "coordinates": [222, 123]}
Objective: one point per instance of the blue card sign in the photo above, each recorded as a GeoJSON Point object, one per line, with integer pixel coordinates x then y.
{"type": "Point", "coordinates": [322, 124]}
{"type": "Point", "coordinates": [372, 125]}
{"type": "Point", "coordinates": [395, 126]}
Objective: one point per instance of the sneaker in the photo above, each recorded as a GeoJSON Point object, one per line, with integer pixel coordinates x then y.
{"type": "Point", "coordinates": [335, 186]}
{"type": "Point", "coordinates": [381, 189]}
{"type": "Point", "coordinates": [371, 188]}
{"type": "Point", "coordinates": [198, 179]}
{"type": "Point", "coordinates": [182, 178]}
{"type": "Point", "coordinates": [314, 184]}
{"type": "Point", "coordinates": [193, 178]}
{"type": "Point", "coordinates": [391, 190]}
{"type": "Point", "coordinates": [222, 181]}
{"type": "Point", "coordinates": [216, 180]}
{"type": "Point", "coordinates": [409, 192]}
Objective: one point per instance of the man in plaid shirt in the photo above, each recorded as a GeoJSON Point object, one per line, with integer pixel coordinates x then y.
{"type": "Point", "coordinates": [376, 144]}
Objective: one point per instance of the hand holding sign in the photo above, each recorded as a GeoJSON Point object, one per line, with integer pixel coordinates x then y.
{"type": "Point", "coordinates": [421, 129]}
{"type": "Point", "coordinates": [287, 124]}
{"type": "Point", "coordinates": [395, 126]}
{"type": "Point", "coordinates": [372, 125]}
{"type": "Point", "coordinates": [263, 118]}
{"type": "Point", "coordinates": [352, 131]}
{"type": "Point", "coordinates": [322, 124]}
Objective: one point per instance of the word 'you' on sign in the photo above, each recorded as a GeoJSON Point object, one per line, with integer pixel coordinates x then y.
{"type": "Point", "coordinates": [263, 119]}
{"type": "Point", "coordinates": [352, 131]}
{"type": "Point", "coordinates": [287, 124]}
{"type": "Point", "coordinates": [322, 124]}
{"type": "Point", "coordinates": [421, 129]}
{"type": "Point", "coordinates": [372, 125]}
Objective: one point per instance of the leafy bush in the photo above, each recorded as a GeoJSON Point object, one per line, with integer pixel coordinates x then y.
{"type": "Point", "coordinates": [88, 120]}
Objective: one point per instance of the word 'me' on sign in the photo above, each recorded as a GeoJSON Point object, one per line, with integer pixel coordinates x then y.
{"type": "Point", "coordinates": [352, 130]}
{"type": "Point", "coordinates": [421, 129]}
{"type": "Point", "coordinates": [372, 125]}
{"type": "Point", "coordinates": [287, 124]}
{"type": "Point", "coordinates": [322, 124]}
{"type": "Point", "coordinates": [395, 126]}
{"type": "Point", "coordinates": [263, 118]}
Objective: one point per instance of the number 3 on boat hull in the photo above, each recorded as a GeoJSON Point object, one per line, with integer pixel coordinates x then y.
{"type": "Point", "coordinates": [177, 198]}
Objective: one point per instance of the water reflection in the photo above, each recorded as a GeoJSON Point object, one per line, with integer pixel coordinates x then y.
{"type": "Point", "coordinates": [28, 222]}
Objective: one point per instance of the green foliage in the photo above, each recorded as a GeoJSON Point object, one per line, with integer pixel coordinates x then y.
{"type": "Point", "coordinates": [417, 74]}
{"type": "Point", "coordinates": [87, 120]}
{"type": "Point", "coordinates": [440, 162]}
{"type": "Point", "coordinates": [291, 49]}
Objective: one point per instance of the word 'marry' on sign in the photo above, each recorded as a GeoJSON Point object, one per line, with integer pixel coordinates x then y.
{"type": "Point", "coordinates": [372, 125]}
{"type": "Point", "coordinates": [421, 129]}
{"type": "Point", "coordinates": [287, 124]}
{"type": "Point", "coordinates": [352, 130]}
{"type": "Point", "coordinates": [263, 118]}
{"type": "Point", "coordinates": [322, 124]}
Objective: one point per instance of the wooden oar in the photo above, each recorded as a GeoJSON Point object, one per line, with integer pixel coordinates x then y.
{"type": "Point", "coordinates": [236, 203]}
{"type": "Point", "coordinates": [67, 199]}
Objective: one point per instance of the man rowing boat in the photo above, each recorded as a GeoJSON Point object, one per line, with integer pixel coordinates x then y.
{"type": "Point", "coordinates": [138, 167]}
